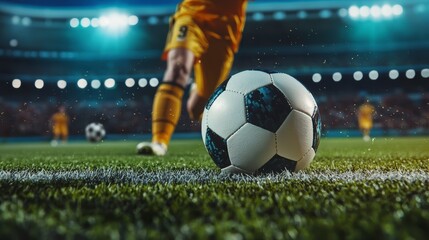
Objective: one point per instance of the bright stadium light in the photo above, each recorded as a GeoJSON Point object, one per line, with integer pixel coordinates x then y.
{"type": "Point", "coordinates": [410, 73]}
{"type": "Point", "coordinates": [74, 22]}
{"type": "Point", "coordinates": [393, 74]}
{"type": "Point", "coordinates": [354, 12]}
{"type": "Point", "coordinates": [61, 84]}
{"type": "Point", "coordinates": [82, 83]}
{"type": "Point", "coordinates": [358, 75]}
{"type": "Point", "coordinates": [114, 22]}
{"type": "Point", "coordinates": [373, 75]}
{"type": "Point", "coordinates": [16, 20]}
{"type": "Point", "coordinates": [104, 21]}
{"type": "Point", "coordinates": [85, 22]}
{"type": "Point", "coordinates": [26, 21]}
{"type": "Point", "coordinates": [375, 11]}
{"type": "Point", "coordinates": [317, 77]}
{"type": "Point", "coordinates": [133, 20]}
{"type": "Point", "coordinates": [302, 14]}
{"type": "Point", "coordinates": [325, 13]}
{"type": "Point", "coordinates": [397, 10]}
{"type": "Point", "coordinates": [142, 82]}
{"type": "Point", "coordinates": [109, 83]}
{"type": "Point", "coordinates": [386, 10]}
{"type": "Point", "coordinates": [425, 73]}
{"type": "Point", "coordinates": [16, 83]}
{"type": "Point", "coordinates": [342, 12]}
{"type": "Point", "coordinates": [39, 83]}
{"type": "Point", "coordinates": [153, 20]}
{"type": "Point", "coordinates": [258, 16]}
{"type": "Point", "coordinates": [13, 43]}
{"type": "Point", "coordinates": [364, 11]}
{"type": "Point", "coordinates": [95, 22]}
{"type": "Point", "coordinates": [153, 82]}
{"type": "Point", "coordinates": [337, 77]}
{"type": "Point", "coordinates": [130, 82]}
{"type": "Point", "coordinates": [279, 15]}
{"type": "Point", "coordinates": [95, 84]}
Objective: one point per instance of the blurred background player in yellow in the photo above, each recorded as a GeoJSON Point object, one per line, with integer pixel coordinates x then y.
{"type": "Point", "coordinates": [365, 114]}
{"type": "Point", "coordinates": [204, 36]}
{"type": "Point", "coordinates": [60, 128]}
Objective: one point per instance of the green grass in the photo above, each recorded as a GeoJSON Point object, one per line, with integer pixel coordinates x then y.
{"type": "Point", "coordinates": [298, 206]}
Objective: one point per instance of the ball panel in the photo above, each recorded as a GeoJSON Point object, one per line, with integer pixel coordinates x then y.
{"type": "Point", "coordinates": [216, 147]}
{"type": "Point", "coordinates": [204, 123]}
{"type": "Point", "coordinates": [278, 164]}
{"type": "Point", "coordinates": [266, 107]}
{"type": "Point", "coordinates": [295, 136]}
{"type": "Point", "coordinates": [234, 170]}
{"type": "Point", "coordinates": [226, 114]}
{"type": "Point", "coordinates": [220, 89]}
{"type": "Point", "coordinates": [251, 147]}
{"type": "Point", "coordinates": [299, 97]}
{"type": "Point", "coordinates": [317, 129]}
{"type": "Point", "coordinates": [247, 81]}
{"type": "Point", "coordinates": [305, 161]}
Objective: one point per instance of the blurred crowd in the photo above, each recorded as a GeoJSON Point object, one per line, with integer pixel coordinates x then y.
{"type": "Point", "coordinates": [398, 111]}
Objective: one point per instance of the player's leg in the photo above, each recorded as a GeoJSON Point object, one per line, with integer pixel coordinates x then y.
{"type": "Point", "coordinates": [56, 135]}
{"type": "Point", "coordinates": [167, 104]}
{"type": "Point", "coordinates": [210, 72]}
{"type": "Point", "coordinates": [64, 133]}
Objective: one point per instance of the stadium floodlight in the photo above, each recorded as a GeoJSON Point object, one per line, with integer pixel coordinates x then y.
{"type": "Point", "coordinates": [302, 14]}
{"type": "Point", "coordinates": [114, 22]}
{"type": "Point", "coordinates": [386, 10]}
{"type": "Point", "coordinates": [354, 11]}
{"type": "Point", "coordinates": [74, 22]}
{"type": "Point", "coordinates": [39, 83]}
{"type": "Point", "coordinates": [364, 11]}
{"type": "Point", "coordinates": [26, 21]}
{"type": "Point", "coordinates": [16, 20]}
{"type": "Point", "coordinates": [358, 75]}
{"type": "Point", "coordinates": [16, 83]}
{"type": "Point", "coordinates": [153, 82]}
{"type": "Point", "coordinates": [337, 77]}
{"type": "Point", "coordinates": [410, 73]}
{"type": "Point", "coordinates": [133, 20]}
{"type": "Point", "coordinates": [373, 75]}
{"type": "Point", "coordinates": [61, 84]}
{"type": "Point", "coordinates": [325, 13]}
{"type": "Point", "coordinates": [397, 10]}
{"type": "Point", "coordinates": [375, 11]}
{"type": "Point", "coordinates": [95, 22]}
{"type": "Point", "coordinates": [258, 16]}
{"type": "Point", "coordinates": [153, 20]}
{"type": "Point", "coordinates": [130, 82]}
{"type": "Point", "coordinates": [425, 73]}
{"type": "Point", "coordinates": [104, 21]}
{"type": "Point", "coordinates": [95, 84]}
{"type": "Point", "coordinates": [13, 43]}
{"type": "Point", "coordinates": [109, 83]}
{"type": "Point", "coordinates": [85, 22]}
{"type": "Point", "coordinates": [142, 82]}
{"type": "Point", "coordinates": [393, 74]}
{"type": "Point", "coordinates": [279, 15]}
{"type": "Point", "coordinates": [342, 12]}
{"type": "Point", "coordinates": [317, 77]}
{"type": "Point", "coordinates": [82, 83]}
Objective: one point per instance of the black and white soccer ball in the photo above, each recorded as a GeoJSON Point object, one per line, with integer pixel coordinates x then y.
{"type": "Point", "coordinates": [95, 132]}
{"type": "Point", "coordinates": [261, 122]}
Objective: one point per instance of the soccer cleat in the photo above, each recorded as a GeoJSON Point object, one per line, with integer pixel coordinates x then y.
{"type": "Point", "coordinates": [366, 138]}
{"type": "Point", "coordinates": [154, 149]}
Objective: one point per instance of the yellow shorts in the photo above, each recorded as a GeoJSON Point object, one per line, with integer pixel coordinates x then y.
{"type": "Point", "coordinates": [214, 54]}
{"type": "Point", "coordinates": [60, 130]}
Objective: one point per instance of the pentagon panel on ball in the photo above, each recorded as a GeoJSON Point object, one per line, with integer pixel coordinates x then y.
{"type": "Point", "coordinates": [261, 122]}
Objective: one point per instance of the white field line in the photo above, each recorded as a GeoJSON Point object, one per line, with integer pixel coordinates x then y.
{"type": "Point", "coordinates": [202, 176]}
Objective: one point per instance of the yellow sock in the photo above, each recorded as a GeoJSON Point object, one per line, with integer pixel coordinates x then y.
{"type": "Point", "coordinates": [166, 110]}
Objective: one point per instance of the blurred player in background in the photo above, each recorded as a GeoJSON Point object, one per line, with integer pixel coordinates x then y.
{"type": "Point", "coordinates": [365, 114]}
{"type": "Point", "coordinates": [204, 36]}
{"type": "Point", "coordinates": [60, 126]}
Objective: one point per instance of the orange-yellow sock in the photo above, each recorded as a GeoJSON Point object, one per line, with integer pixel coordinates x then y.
{"type": "Point", "coordinates": [166, 111]}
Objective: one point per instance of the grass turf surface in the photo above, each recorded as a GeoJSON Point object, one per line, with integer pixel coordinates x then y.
{"type": "Point", "coordinates": [84, 190]}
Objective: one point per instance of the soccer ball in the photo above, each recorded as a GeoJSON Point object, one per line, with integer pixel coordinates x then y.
{"type": "Point", "coordinates": [95, 132]}
{"type": "Point", "coordinates": [261, 122]}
